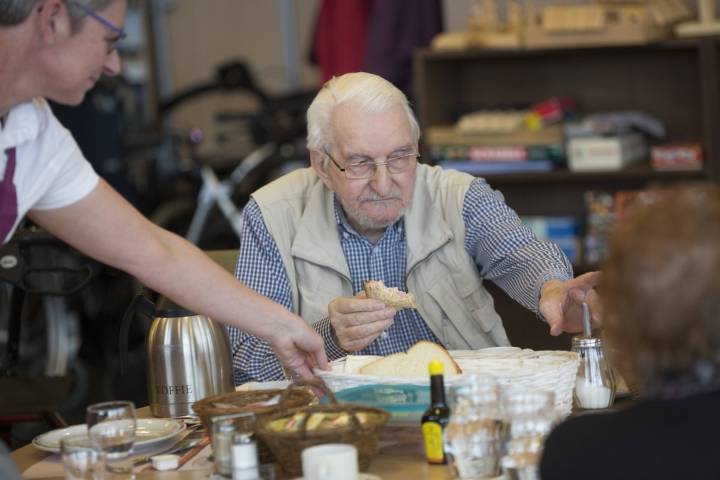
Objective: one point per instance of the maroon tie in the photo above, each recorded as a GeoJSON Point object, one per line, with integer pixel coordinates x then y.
{"type": "Point", "coordinates": [8, 197]}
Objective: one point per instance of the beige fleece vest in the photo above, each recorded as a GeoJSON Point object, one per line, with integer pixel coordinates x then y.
{"type": "Point", "coordinates": [299, 214]}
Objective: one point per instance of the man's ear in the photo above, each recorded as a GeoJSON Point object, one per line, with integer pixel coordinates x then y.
{"type": "Point", "coordinates": [319, 162]}
{"type": "Point", "coordinates": [52, 21]}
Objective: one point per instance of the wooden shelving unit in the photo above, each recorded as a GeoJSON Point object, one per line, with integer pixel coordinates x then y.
{"type": "Point", "coordinates": [678, 81]}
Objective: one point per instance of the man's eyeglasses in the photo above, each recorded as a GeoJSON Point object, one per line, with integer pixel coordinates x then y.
{"type": "Point", "coordinates": [366, 168]}
{"type": "Point", "coordinates": [104, 21]}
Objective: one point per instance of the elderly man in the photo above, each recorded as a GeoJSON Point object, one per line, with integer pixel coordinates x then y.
{"type": "Point", "coordinates": [58, 49]}
{"type": "Point", "coordinates": [366, 210]}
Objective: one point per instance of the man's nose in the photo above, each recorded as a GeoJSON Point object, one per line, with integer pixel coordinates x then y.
{"type": "Point", "coordinates": [381, 180]}
{"type": "Point", "coordinates": [112, 64]}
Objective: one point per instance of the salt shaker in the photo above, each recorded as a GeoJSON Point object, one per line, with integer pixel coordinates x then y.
{"type": "Point", "coordinates": [224, 429]}
{"type": "Point", "coordinates": [244, 457]}
{"type": "Point", "coordinates": [595, 384]}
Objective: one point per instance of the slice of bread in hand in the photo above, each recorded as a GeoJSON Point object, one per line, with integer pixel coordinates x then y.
{"type": "Point", "coordinates": [392, 297]}
{"type": "Point", "coordinates": [414, 363]}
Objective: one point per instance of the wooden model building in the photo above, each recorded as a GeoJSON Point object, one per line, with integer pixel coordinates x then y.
{"type": "Point", "coordinates": [598, 22]}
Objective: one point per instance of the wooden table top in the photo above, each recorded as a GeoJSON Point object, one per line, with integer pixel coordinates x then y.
{"type": "Point", "coordinates": [395, 462]}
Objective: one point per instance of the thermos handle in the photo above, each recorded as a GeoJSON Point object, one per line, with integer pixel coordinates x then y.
{"type": "Point", "coordinates": [139, 304]}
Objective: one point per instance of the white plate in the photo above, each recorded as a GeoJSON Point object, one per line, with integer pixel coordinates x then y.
{"type": "Point", "coordinates": [361, 476]}
{"type": "Point", "coordinates": [246, 387]}
{"type": "Point", "coordinates": [150, 433]}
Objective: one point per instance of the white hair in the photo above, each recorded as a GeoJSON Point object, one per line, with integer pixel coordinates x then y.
{"type": "Point", "coordinates": [369, 92]}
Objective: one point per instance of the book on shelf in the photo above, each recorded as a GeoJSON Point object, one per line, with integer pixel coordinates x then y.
{"type": "Point", "coordinates": [500, 153]}
{"type": "Point", "coordinates": [450, 135]}
{"type": "Point", "coordinates": [484, 168]}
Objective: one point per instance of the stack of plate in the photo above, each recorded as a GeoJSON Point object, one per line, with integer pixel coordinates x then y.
{"type": "Point", "coordinates": [151, 434]}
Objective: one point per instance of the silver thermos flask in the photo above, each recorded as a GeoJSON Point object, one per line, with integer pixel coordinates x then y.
{"type": "Point", "coordinates": [188, 356]}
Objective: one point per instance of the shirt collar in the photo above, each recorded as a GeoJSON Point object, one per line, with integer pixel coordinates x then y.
{"type": "Point", "coordinates": [23, 124]}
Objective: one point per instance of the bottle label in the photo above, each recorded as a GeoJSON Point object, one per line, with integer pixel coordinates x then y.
{"type": "Point", "coordinates": [432, 436]}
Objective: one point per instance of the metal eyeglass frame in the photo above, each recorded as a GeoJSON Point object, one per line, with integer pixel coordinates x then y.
{"type": "Point", "coordinates": [374, 163]}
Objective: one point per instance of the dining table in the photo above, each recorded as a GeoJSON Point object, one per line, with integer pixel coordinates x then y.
{"type": "Point", "coordinates": [399, 458]}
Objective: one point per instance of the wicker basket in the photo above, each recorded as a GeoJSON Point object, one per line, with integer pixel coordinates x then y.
{"type": "Point", "coordinates": [287, 446]}
{"type": "Point", "coordinates": [241, 402]}
{"type": "Point", "coordinates": [554, 371]}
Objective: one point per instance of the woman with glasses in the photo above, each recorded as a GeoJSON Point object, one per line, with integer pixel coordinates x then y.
{"type": "Point", "coordinates": [367, 210]}
{"type": "Point", "coordinates": [58, 49]}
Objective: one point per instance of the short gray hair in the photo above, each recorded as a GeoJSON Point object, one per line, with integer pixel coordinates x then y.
{"type": "Point", "coordinates": [369, 92]}
{"type": "Point", "coordinates": [14, 12]}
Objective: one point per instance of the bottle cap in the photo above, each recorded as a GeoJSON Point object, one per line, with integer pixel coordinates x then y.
{"type": "Point", "coordinates": [436, 367]}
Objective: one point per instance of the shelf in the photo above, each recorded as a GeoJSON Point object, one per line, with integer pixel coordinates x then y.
{"type": "Point", "coordinates": [633, 173]}
{"type": "Point", "coordinates": [677, 81]}
{"type": "Point", "coordinates": [479, 53]}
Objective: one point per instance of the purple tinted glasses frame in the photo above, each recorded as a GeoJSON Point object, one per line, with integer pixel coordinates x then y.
{"type": "Point", "coordinates": [96, 16]}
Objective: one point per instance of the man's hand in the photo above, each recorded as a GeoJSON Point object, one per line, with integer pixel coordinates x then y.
{"type": "Point", "coordinates": [561, 303]}
{"type": "Point", "coordinates": [299, 349]}
{"type": "Point", "coordinates": [358, 321]}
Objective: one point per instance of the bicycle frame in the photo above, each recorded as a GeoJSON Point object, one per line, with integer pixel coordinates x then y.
{"type": "Point", "coordinates": [214, 191]}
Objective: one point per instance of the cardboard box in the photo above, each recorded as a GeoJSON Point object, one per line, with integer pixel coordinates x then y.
{"type": "Point", "coordinates": [681, 156]}
{"type": "Point", "coordinates": [605, 153]}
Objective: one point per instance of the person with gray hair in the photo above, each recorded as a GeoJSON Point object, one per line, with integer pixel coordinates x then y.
{"type": "Point", "coordinates": [58, 49]}
{"type": "Point", "coordinates": [367, 210]}
{"type": "Point", "coordinates": [14, 12]}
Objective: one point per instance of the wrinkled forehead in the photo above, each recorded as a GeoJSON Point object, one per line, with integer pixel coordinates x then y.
{"type": "Point", "coordinates": [375, 132]}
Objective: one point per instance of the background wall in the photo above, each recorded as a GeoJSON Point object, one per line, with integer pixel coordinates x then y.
{"type": "Point", "coordinates": [202, 35]}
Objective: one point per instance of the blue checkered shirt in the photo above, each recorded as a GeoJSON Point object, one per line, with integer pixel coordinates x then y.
{"type": "Point", "coordinates": [505, 251]}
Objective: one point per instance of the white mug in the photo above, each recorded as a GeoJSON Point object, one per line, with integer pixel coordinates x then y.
{"type": "Point", "coordinates": [332, 461]}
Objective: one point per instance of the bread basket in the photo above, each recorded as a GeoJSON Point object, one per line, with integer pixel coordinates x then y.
{"type": "Point", "coordinates": [252, 401]}
{"type": "Point", "coordinates": [361, 430]}
{"type": "Point", "coordinates": [553, 371]}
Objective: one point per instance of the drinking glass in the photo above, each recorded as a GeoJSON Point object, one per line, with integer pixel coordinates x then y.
{"type": "Point", "coordinates": [111, 427]}
{"type": "Point", "coordinates": [528, 411]}
{"type": "Point", "coordinates": [530, 415]}
{"type": "Point", "coordinates": [475, 432]}
{"type": "Point", "coordinates": [81, 459]}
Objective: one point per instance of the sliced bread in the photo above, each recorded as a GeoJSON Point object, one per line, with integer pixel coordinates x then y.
{"type": "Point", "coordinates": [413, 363]}
{"type": "Point", "coordinates": [392, 297]}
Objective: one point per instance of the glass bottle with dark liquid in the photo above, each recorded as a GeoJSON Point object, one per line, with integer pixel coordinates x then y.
{"type": "Point", "coordinates": [435, 418]}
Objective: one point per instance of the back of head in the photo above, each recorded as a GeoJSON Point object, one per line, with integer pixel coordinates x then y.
{"type": "Point", "coordinates": [14, 12]}
{"type": "Point", "coordinates": [661, 290]}
{"type": "Point", "coordinates": [368, 92]}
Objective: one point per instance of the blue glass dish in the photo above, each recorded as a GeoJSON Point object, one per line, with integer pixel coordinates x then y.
{"type": "Point", "coordinates": [405, 403]}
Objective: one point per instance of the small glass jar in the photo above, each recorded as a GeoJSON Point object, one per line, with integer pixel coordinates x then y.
{"type": "Point", "coordinates": [223, 432]}
{"type": "Point", "coordinates": [224, 429]}
{"type": "Point", "coordinates": [595, 383]}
